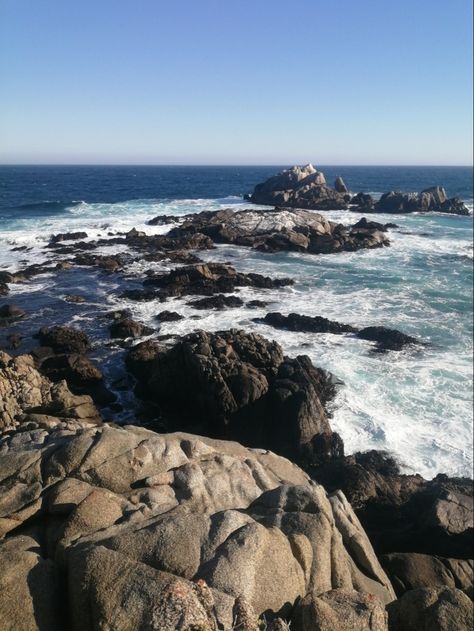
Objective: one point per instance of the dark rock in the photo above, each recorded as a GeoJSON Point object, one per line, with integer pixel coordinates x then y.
{"type": "Point", "coordinates": [68, 236]}
{"type": "Point", "coordinates": [169, 316]}
{"type": "Point", "coordinates": [208, 279]}
{"type": "Point", "coordinates": [431, 609]}
{"type": "Point", "coordinates": [308, 324]}
{"type": "Point", "coordinates": [134, 233]}
{"type": "Point", "coordinates": [239, 386]}
{"type": "Point", "coordinates": [364, 224]}
{"type": "Point", "coordinates": [9, 313]}
{"type": "Point", "coordinates": [387, 339]}
{"type": "Point", "coordinates": [76, 369]}
{"type": "Point", "coordinates": [217, 302]}
{"type": "Point", "coordinates": [404, 513]}
{"type": "Point", "coordinates": [362, 202]}
{"type": "Point", "coordinates": [162, 220]}
{"type": "Point", "coordinates": [129, 328]}
{"type": "Point", "coordinates": [340, 186]}
{"type": "Point", "coordinates": [256, 304]}
{"type": "Point", "coordinates": [430, 200]}
{"type": "Point", "coordinates": [4, 289]}
{"type": "Point", "coordinates": [14, 340]}
{"type": "Point", "coordinates": [64, 339]}
{"type": "Point", "coordinates": [140, 359]}
{"type": "Point", "coordinates": [140, 295]}
{"type": "Point", "coordinates": [410, 570]}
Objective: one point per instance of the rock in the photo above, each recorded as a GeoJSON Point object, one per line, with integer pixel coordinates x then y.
{"type": "Point", "coordinates": [342, 610]}
{"type": "Point", "coordinates": [169, 316]}
{"type": "Point", "coordinates": [404, 513]}
{"type": "Point", "coordinates": [15, 340]}
{"type": "Point", "coordinates": [68, 236]}
{"type": "Point", "coordinates": [24, 390]}
{"type": "Point", "coordinates": [362, 202]}
{"type": "Point", "coordinates": [239, 386]}
{"type": "Point", "coordinates": [155, 530]}
{"type": "Point", "coordinates": [74, 298]}
{"type": "Point", "coordinates": [256, 304]}
{"type": "Point", "coordinates": [431, 609]}
{"type": "Point", "coordinates": [140, 358]}
{"type": "Point", "coordinates": [315, 324]}
{"type": "Point", "coordinates": [340, 186]}
{"type": "Point", "coordinates": [387, 339]}
{"type": "Point", "coordinates": [4, 289]}
{"type": "Point", "coordinates": [208, 279]}
{"type": "Point", "coordinates": [134, 233]}
{"type": "Point", "coordinates": [75, 368]}
{"type": "Point", "coordinates": [300, 187]}
{"type": "Point", "coordinates": [129, 328]}
{"type": "Point", "coordinates": [162, 220]}
{"type": "Point", "coordinates": [430, 200]}
{"type": "Point", "coordinates": [282, 229]}
{"type": "Point", "coordinates": [64, 339]}
{"type": "Point", "coordinates": [11, 312]}
{"type": "Point", "coordinates": [364, 224]}
{"type": "Point", "coordinates": [30, 587]}
{"type": "Point", "coordinates": [217, 302]}
{"type": "Point", "coordinates": [410, 570]}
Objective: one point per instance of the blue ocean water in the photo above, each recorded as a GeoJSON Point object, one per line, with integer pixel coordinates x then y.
{"type": "Point", "coordinates": [416, 404]}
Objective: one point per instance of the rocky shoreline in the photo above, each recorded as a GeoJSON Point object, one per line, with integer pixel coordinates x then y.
{"type": "Point", "coordinates": [233, 505]}
{"type": "Point", "coordinates": [306, 187]}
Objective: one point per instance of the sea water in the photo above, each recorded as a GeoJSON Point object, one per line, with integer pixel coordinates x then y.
{"type": "Point", "coordinates": [417, 403]}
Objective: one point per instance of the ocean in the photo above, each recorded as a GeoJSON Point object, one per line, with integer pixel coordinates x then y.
{"type": "Point", "coordinates": [417, 404]}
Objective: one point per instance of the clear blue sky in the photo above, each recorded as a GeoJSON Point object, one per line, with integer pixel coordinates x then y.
{"type": "Point", "coordinates": [236, 81]}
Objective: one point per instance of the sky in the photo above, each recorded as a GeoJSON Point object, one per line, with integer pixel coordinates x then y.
{"type": "Point", "coordinates": [236, 82]}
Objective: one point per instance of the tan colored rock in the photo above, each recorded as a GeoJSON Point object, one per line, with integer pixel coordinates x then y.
{"type": "Point", "coordinates": [432, 609]}
{"type": "Point", "coordinates": [340, 610]}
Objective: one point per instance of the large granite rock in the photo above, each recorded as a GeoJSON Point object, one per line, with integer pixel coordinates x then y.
{"type": "Point", "coordinates": [240, 386]}
{"type": "Point", "coordinates": [157, 531]}
{"type": "Point", "coordinates": [25, 393]}
{"type": "Point", "coordinates": [281, 229]}
{"type": "Point", "coordinates": [301, 187]}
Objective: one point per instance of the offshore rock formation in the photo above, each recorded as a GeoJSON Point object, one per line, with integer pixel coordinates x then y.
{"type": "Point", "coordinates": [301, 187]}
{"type": "Point", "coordinates": [281, 230]}
{"type": "Point", "coordinates": [305, 187]}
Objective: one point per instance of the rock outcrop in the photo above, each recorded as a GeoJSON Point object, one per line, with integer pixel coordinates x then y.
{"type": "Point", "coordinates": [301, 187]}
{"type": "Point", "coordinates": [432, 199]}
{"type": "Point", "coordinates": [305, 187]}
{"type": "Point", "coordinates": [163, 531]}
{"type": "Point", "coordinates": [281, 229]}
{"type": "Point", "coordinates": [240, 386]}
{"type": "Point", "coordinates": [27, 395]}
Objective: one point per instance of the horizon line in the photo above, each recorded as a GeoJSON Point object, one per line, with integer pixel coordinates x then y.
{"type": "Point", "coordinates": [182, 164]}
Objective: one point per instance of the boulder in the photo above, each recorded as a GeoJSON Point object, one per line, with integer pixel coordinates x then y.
{"type": "Point", "coordinates": [340, 185]}
{"type": "Point", "coordinates": [342, 610]}
{"type": "Point", "coordinates": [431, 609]}
{"type": "Point", "coordinates": [218, 301]}
{"type": "Point", "coordinates": [387, 339]}
{"type": "Point", "coordinates": [9, 313]}
{"type": "Point", "coordinates": [307, 324]}
{"type": "Point", "coordinates": [239, 386]}
{"type": "Point", "coordinates": [410, 570]}
{"type": "Point", "coordinates": [64, 339]}
{"type": "Point", "coordinates": [68, 236]}
{"type": "Point", "coordinates": [169, 316]}
{"type": "Point", "coordinates": [404, 513]}
{"type": "Point", "coordinates": [23, 391]}
{"type": "Point", "coordinates": [129, 328]}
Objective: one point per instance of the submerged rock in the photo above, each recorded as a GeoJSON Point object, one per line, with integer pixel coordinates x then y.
{"type": "Point", "coordinates": [387, 339]}
{"type": "Point", "coordinates": [129, 328]}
